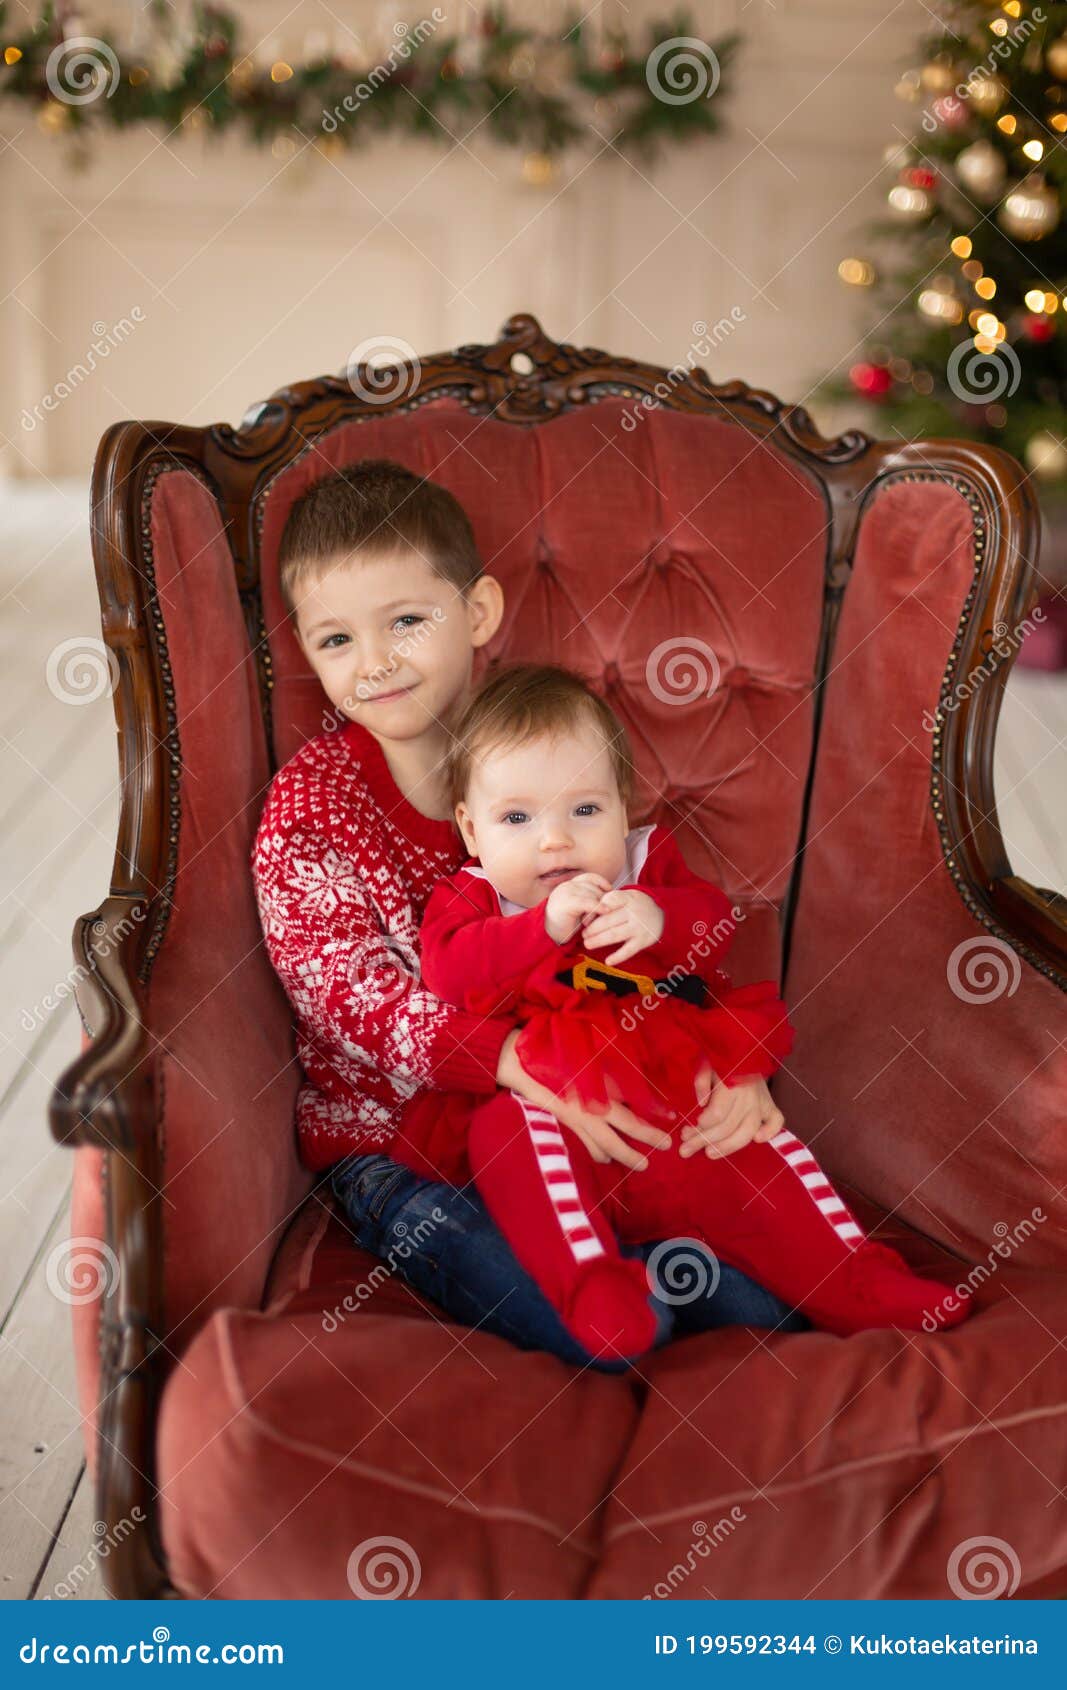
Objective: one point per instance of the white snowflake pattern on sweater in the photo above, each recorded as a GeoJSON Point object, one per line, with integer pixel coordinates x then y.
{"type": "Point", "coordinates": [342, 867]}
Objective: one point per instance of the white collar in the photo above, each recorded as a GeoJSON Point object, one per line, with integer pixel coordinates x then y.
{"type": "Point", "coordinates": [636, 852]}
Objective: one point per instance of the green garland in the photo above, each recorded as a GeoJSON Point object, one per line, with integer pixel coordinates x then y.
{"type": "Point", "coordinates": [522, 88]}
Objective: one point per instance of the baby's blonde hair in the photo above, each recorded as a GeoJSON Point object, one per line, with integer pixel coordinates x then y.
{"type": "Point", "coordinates": [522, 701]}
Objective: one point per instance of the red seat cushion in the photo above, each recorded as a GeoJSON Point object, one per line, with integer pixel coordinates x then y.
{"type": "Point", "coordinates": [289, 1442]}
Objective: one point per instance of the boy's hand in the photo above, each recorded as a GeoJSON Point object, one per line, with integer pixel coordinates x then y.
{"type": "Point", "coordinates": [570, 902]}
{"type": "Point", "coordinates": [602, 1135]}
{"type": "Point", "coordinates": [731, 1117]}
{"type": "Point", "coordinates": [627, 918]}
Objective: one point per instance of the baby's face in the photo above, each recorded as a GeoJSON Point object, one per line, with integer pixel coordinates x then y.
{"type": "Point", "coordinates": [540, 813]}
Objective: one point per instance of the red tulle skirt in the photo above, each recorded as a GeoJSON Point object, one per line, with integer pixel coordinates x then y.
{"type": "Point", "coordinates": [647, 1052]}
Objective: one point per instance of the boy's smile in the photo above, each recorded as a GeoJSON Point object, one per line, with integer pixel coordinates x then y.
{"type": "Point", "coordinates": [392, 642]}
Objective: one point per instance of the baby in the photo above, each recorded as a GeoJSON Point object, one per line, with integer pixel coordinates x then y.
{"type": "Point", "coordinates": [605, 948]}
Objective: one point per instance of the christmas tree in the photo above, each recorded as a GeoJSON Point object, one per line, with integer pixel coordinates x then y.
{"type": "Point", "coordinates": [969, 306]}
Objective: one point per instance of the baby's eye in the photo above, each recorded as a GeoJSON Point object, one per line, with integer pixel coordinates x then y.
{"type": "Point", "coordinates": [589, 809]}
{"type": "Point", "coordinates": [327, 643]}
{"type": "Point", "coordinates": [515, 818]}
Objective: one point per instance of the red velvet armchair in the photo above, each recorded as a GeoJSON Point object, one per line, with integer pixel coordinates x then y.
{"type": "Point", "coordinates": [808, 640]}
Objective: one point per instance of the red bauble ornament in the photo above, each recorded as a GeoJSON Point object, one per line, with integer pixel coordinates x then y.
{"type": "Point", "coordinates": [950, 111]}
{"type": "Point", "coordinates": [918, 176]}
{"type": "Point", "coordinates": [1038, 329]}
{"type": "Point", "coordinates": [872, 380]}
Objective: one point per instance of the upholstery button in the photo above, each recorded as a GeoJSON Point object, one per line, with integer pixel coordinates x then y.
{"type": "Point", "coordinates": [611, 675]}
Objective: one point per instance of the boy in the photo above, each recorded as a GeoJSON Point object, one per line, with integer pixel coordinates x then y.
{"type": "Point", "coordinates": [388, 600]}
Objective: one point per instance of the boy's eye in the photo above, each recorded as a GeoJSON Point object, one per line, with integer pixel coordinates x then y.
{"type": "Point", "coordinates": [589, 809]}
{"type": "Point", "coordinates": [515, 818]}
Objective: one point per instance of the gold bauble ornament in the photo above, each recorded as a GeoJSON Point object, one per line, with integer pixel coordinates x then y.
{"type": "Point", "coordinates": [53, 117]}
{"type": "Point", "coordinates": [1056, 57]}
{"type": "Point", "coordinates": [468, 54]}
{"type": "Point", "coordinates": [242, 76]}
{"type": "Point", "coordinates": [939, 301]}
{"type": "Point", "coordinates": [522, 64]}
{"type": "Point", "coordinates": [986, 94]}
{"type": "Point", "coordinates": [553, 69]}
{"type": "Point", "coordinates": [981, 169]}
{"type": "Point", "coordinates": [1046, 456]}
{"type": "Point", "coordinates": [910, 204]}
{"type": "Point", "coordinates": [539, 170]}
{"type": "Point", "coordinates": [938, 76]}
{"type": "Point", "coordinates": [897, 154]}
{"type": "Point", "coordinates": [165, 64]}
{"type": "Point", "coordinates": [1031, 211]}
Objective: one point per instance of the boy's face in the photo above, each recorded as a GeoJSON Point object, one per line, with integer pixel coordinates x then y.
{"type": "Point", "coordinates": [540, 813]}
{"type": "Point", "coordinates": [392, 642]}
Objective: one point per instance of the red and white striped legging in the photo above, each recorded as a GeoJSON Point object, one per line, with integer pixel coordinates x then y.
{"type": "Point", "coordinates": [768, 1209]}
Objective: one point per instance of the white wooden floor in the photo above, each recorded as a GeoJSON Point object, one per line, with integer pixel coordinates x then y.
{"type": "Point", "coordinates": [58, 814]}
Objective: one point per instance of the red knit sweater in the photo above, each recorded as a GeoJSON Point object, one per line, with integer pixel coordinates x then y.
{"type": "Point", "coordinates": [343, 866]}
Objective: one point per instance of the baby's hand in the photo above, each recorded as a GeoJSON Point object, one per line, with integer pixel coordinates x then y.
{"type": "Point", "coordinates": [570, 902]}
{"type": "Point", "coordinates": [732, 1117]}
{"type": "Point", "coordinates": [627, 918]}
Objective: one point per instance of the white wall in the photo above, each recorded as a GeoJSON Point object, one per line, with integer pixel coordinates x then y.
{"type": "Point", "coordinates": [239, 272]}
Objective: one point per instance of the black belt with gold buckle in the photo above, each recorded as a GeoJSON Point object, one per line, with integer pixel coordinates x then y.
{"type": "Point", "coordinates": [589, 976]}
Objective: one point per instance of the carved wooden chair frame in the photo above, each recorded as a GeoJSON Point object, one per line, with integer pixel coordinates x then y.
{"type": "Point", "coordinates": [105, 1098]}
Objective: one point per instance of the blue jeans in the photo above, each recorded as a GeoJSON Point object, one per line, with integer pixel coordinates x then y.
{"type": "Point", "coordinates": [443, 1241]}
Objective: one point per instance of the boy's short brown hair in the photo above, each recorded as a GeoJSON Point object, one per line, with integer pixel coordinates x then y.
{"type": "Point", "coordinates": [371, 508]}
{"type": "Point", "coordinates": [518, 701]}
